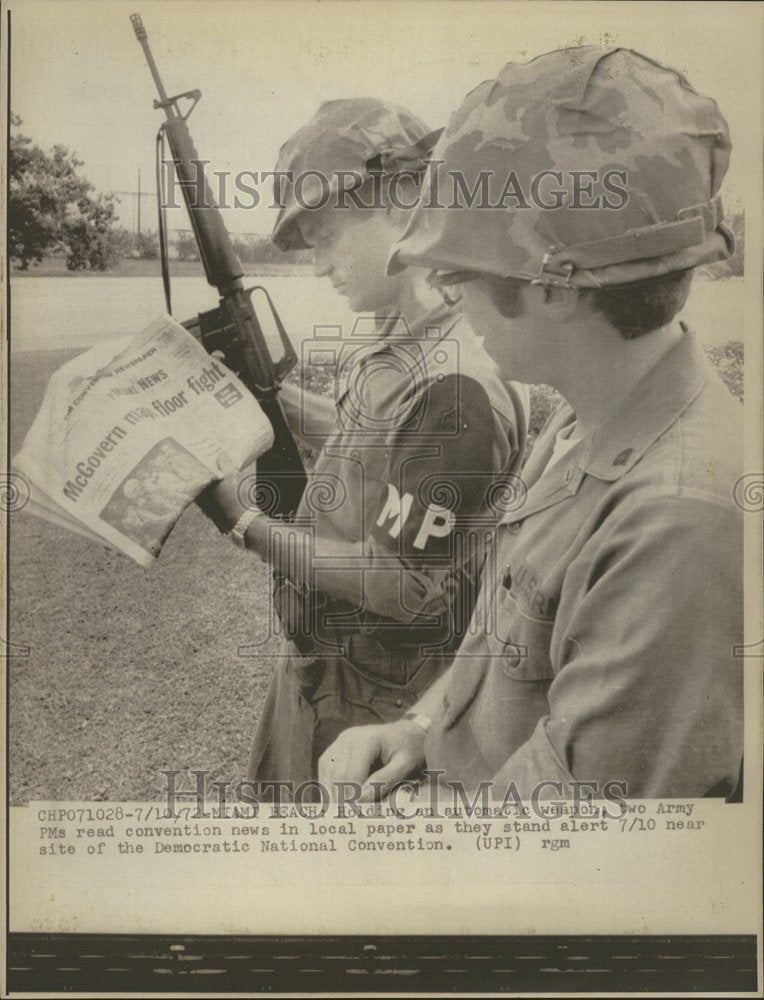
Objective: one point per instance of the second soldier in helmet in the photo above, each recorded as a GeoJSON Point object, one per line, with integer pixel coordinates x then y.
{"type": "Point", "coordinates": [610, 657]}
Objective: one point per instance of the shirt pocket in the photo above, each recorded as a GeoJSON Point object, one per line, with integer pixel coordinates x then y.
{"type": "Point", "coordinates": [520, 643]}
{"type": "Point", "coordinates": [514, 693]}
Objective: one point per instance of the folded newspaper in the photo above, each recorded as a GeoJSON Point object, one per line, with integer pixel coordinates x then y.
{"type": "Point", "coordinates": [131, 431]}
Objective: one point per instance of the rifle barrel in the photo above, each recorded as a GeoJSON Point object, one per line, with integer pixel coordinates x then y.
{"type": "Point", "coordinates": [221, 265]}
{"type": "Point", "coordinates": [142, 35]}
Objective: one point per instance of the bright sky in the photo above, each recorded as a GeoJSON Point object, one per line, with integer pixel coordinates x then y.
{"type": "Point", "coordinates": [263, 66]}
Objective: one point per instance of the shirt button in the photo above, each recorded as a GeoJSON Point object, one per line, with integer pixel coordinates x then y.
{"type": "Point", "coordinates": [513, 656]}
{"type": "Point", "coordinates": [399, 702]}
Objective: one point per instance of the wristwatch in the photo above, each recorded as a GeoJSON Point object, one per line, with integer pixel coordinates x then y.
{"type": "Point", "coordinates": [239, 530]}
{"type": "Point", "coordinates": [423, 721]}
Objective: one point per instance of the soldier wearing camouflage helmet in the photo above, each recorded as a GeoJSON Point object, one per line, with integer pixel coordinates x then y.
{"type": "Point", "coordinates": [617, 593]}
{"type": "Point", "coordinates": [419, 432]}
{"type": "Point", "coordinates": [345, 144]}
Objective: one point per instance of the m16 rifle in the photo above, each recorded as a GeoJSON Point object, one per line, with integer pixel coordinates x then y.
{"type": "Point", "coordinates": [233, 330]}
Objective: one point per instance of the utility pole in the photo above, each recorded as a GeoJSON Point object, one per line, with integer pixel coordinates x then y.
{"type": "Point", "coordinates": [139, 201]}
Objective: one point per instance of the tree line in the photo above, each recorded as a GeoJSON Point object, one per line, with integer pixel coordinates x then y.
{"type": "Point", "coordinates": [54, 210]}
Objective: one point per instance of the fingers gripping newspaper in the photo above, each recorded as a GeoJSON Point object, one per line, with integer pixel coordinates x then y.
{"type": "Point", "coordinates": [131, 431]}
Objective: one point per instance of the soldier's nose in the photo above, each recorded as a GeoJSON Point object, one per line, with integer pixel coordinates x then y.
{"type": "Point", "coordinates": [321, 265]}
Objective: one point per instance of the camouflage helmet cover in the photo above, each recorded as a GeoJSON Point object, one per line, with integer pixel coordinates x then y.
{"type": "Point", "coordinates": [360, 135]}
{"type": "Point", "coordinates": [576, 110]}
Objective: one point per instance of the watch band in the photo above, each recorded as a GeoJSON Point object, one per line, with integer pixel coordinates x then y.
{"type": "Point", "coordinates": [423, 721]}
{"type": "Point", "coordinates": [239, 530]}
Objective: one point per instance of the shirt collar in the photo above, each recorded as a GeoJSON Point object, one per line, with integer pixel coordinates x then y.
{"type": "Point", "coordinates": [431, 326]}
{"type": "Point", "coordinates": [655, 403]}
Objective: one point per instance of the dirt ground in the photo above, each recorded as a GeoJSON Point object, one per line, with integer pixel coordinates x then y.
{"type": "Point", "coordinates": [128, 671]}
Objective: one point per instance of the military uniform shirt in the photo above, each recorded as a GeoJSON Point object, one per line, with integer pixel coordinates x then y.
{"type": "Point", "coordinates": [601, 648]}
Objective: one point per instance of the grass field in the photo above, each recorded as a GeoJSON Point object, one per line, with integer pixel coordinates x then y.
{"type": "Point", "coordinates": [55, 267]}
{"type": "Point", "coordinates": [130, 671]}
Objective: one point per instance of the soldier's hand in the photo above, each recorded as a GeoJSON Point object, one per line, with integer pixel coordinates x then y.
{"type": "Point", "coordinates": [223, 502]}
{"type": "Point", "coordinates": [356, 756]}
{"type": "Point", "coordinates": [208, 504]}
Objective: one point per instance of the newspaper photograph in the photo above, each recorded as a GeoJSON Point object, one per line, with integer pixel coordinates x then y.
{"type": "Point", "coordinates": [383, 497]}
